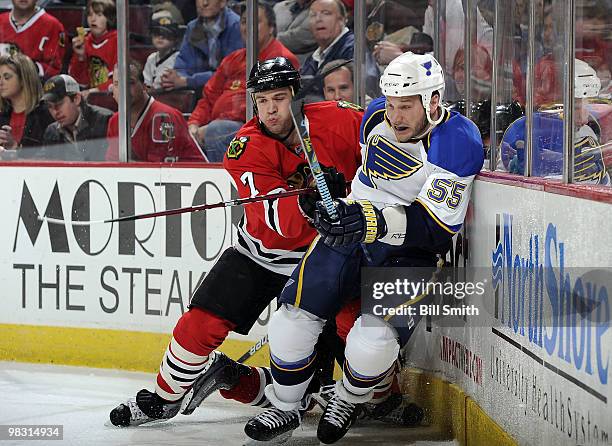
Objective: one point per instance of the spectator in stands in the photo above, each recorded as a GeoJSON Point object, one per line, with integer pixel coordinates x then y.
{"type": "Point", "coordinates": [293, 24]}
{"type": "Point", "coordinates": [482, 72]}
{"type": "Point", "coordinates": [159, 132]}
{"type": "Point", "coordinates": [222, 109]}
{"type": "Point", "coordinates": [328, 25]}
{"type": "Point", "coordinates": [165, 35]}
{"type": "Point", "coordinates": [23, 117]}
{"type": "Point", "coordinates": [338, 80]}
{"type": "Point", "coordinates": [79, 128]}
{"type": "Point", "coordinates": [208, 39]}
{"type": "Point", "coordinates": [171, 7]}
{"type": "Point", "coordinates": [95, 54]}
{"type": "Point", "coordinates": [385, 51]}
{"type": "Point", "coordinates": [28, 29]}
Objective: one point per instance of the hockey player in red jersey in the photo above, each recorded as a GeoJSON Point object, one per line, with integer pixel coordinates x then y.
{"type": "Point", "coordinates": [95, 54]}
{"type": "Point", "coordinates": [32, 31]}
{"type": "Point", "coordinates": [264, 157]}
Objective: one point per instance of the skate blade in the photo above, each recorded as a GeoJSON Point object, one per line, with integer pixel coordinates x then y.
{"type": "Point", "coordinates": [192, 401]}
{"type": "Point", "coordinates": [281, 439]}
{"type": "Point", "coordinates": [108, 424]}
{"type": "Point", "coordinates": [185, 409]}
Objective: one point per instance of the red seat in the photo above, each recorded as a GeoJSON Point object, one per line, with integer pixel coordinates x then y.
{"type": "Point", "coordinates": [182, 100]}
{"type": "Point", "coordinates": [70, 16]}
{"type": "Point", "coordinates": [140, 19]}
{"type": "Point", "coordinates": [102, 99]}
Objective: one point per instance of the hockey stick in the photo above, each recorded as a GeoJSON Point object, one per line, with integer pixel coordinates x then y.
{"type": "Point", "coordinates": [254, 349]}
{"type": "Point", "coordinates": [301, 125]}
{"type": "Point", "coordinates": [202, 207]}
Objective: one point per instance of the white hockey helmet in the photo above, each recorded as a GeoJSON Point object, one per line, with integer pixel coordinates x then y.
{"type": "Point", "coordinates": [586, 81]}
{"type": "Point", "coordinates": [410, 74]}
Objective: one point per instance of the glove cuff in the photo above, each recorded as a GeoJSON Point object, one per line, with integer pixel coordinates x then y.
{"type": "Point", "coordinates": [372, 221]}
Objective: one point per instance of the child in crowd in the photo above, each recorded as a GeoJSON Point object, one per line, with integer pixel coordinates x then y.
{"type": "Point", "coordinates": [165, 36]}
{"type": "Point", "coordinates": [95, 53]}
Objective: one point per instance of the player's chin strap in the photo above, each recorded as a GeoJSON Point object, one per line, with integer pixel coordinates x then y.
{"type": "Point", "coordinates": [434, 123]}
{"type": "Point", "coordinates": [431, 122]}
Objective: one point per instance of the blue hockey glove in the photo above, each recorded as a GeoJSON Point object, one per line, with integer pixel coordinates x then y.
{"type": "Point", "coordinates": [359, 221]}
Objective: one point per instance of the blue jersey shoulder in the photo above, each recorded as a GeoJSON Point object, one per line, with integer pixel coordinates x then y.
{"type": "Point", "coordinates": [374, 115]}
{"type": "Point", "coordinates": [456, 145]}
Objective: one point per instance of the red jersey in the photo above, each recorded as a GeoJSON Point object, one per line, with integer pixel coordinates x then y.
{"type": "Point", "coordinates": [160, 135]}
{"type": "Point", "coordinates": [100, 59]}
{"type": "Point", "coordinates": [17, 124]}
{"type": "Point", "coordinates": [41, 38]}
{"type": "Point", "coordinates": [224, 95]}
{"type": "Point", "coordinates": [274, 233]}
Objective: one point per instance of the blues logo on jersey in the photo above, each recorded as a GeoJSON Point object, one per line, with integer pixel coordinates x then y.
{"type": "Point", "coordinates": [385, 160]}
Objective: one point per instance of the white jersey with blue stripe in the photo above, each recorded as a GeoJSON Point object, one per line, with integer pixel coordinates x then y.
{"type": "Point", "coordinates": [436, 171]}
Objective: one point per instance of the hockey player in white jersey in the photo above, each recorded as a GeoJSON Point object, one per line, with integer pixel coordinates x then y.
{"type": "Point", "coordinates": [410, 196]}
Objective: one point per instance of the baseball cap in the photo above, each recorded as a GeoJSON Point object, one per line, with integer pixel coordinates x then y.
{"type": "Point", "coordinates": [163, 23]}
{"type": "Point", "coordinates": [57, 87]}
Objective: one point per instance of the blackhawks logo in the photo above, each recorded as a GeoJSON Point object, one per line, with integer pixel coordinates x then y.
{"type": "Point", "coordinates": [237, 147]}
{"type": "Point", "coordinates": [347, 104]}
{"type": "Point", "coordinates": [98, 72]}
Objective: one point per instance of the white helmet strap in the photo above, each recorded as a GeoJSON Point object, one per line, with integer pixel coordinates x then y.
{"type": "Point", "coordinates": [426, 99]}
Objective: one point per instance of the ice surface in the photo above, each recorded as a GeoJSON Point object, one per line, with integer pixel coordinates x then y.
{"type": "Point", "coordinates": [81, 398]}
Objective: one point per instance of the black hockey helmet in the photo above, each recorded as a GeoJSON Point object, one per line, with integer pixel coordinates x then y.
{"type": "Point", "coordinates": [273, 73]}
{"type": "Point", "coordinates": [481, 114]}
{"type": "Point", "coordinates": [506, 114]}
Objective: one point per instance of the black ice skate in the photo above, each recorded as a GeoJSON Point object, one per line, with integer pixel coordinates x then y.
{"type": "Point", "coordinates": [409, 415]}
{"type": "Point", "coordinates": [147, 407]}
{"type": "Point", "coordinates": [381, 410]}
{"type": "Point", "coordinates": [223, 373]}
{"type": "Point", "coordinates": [338, 417]}
{"type": "Point", "coordinates": [273, 424]}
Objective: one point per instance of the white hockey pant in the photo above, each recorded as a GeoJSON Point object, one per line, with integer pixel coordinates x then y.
{"type": "Point", "coordinates": [371, 350]}
{"type": "Point", "coordinates": [292, 335]}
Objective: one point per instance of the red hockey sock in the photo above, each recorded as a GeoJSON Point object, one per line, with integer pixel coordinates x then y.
{"type": "Point", "coordinates": [197, 333]}
{"type": "Point", "coordinates": [250, 388]}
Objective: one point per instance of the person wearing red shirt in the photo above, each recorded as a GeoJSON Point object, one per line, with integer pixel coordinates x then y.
{"type": "Point", "coordinates": [30, 30]}
{"type": "Point", "coordinates": [95, 54]}
{"type": "Point", "coordinates": [222, 109]}
{"type": "Point", "coordinates": [159, 132]}
{"type": "Point", "coordinates": [264, 157]}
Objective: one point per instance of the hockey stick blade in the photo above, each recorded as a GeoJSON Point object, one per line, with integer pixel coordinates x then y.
{"type": "Point", "coordinates": [203, 207]}
{"type": "Point", "coordinates": [301, 126]}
